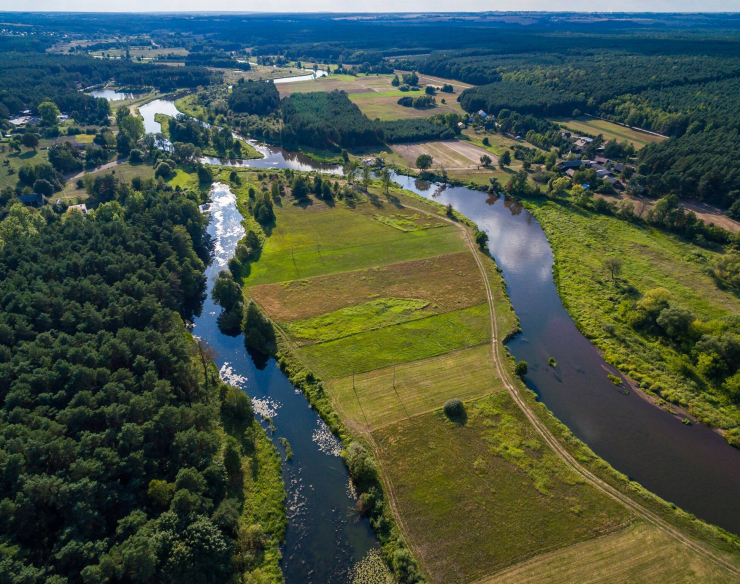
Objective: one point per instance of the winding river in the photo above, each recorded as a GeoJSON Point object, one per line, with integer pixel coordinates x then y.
{"type": "Point", "coordinates": [691, 466]}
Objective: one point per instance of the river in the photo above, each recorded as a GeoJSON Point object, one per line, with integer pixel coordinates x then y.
{"type": "Point", "coordinates": [325, 537]}
{"type": "Point", "coordinates": [691, 466]}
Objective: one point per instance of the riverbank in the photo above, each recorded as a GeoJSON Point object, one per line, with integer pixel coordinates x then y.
{"type": "Point", "coordinates": [581, 240]}
{"type": "Point", "coordinates": [330, 396]}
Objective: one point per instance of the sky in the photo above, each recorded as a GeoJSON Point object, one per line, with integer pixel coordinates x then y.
{"type": "Point", "coordinates": [364, 5]}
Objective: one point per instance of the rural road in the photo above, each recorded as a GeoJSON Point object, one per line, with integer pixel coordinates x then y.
{"type": "Point", "coordinates": [553, 442]}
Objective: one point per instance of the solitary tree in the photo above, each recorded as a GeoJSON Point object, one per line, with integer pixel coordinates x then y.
{"type": "Point", "coordinates": [485, 160]}
{"type": "Point", "coordinates": [424, 161]}
{"type": "Point", "coordinates": [48, 112]}
{"type": "Point", "coordinates": [30, 140]}
{"type": "Point", "coordinates": [385, 179]}
{"type": "Point", "coordinates": [614, 265]}
{"type": "Point", "coordinates": [505, 159]}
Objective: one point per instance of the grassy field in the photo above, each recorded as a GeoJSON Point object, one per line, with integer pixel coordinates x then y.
{"type": "Point", "coordinates": [389, 395]}
{"type": "Point", "coordinates": [639, 554]}
{"type": "Point", "coordinates": [447, 282]}
{"type": "Point", "coordinates": [395, 334]}
{"type": "Point", "coordinates": [450, 154]}
{"type": "Point", "coordinates": [581, 241]}
{"type": "Point", "coordinates": [124, 172]}
{"type": "Point", "coordinates": [321, 240]}
{"type": "Point", "coordinates": [15, 160]}
{"type": "Point", "coordinates": [611, 131]}
{"type": "Point", "coordinates": [402, 343]}
{"type": "Point", "coordinates": [487, 494]}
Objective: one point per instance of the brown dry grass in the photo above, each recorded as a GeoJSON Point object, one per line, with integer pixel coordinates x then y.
{"type": "Point", "coordinates": [453, 154]}
{"type": "Point", "coordinates": [449, 281]}
{"type": "Point", "coordinates": [639, 554]}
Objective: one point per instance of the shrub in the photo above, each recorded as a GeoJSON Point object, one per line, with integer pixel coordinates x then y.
{"type": "Point", "coordinates": [521, 368]}
{"type": "Point", "coordinates": [454, 409]}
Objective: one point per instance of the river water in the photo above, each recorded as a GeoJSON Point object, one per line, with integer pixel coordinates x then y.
{"type": "Point", "coordinates": [325, 537]}
{"type": "Point", "coordinates": [691, 466]}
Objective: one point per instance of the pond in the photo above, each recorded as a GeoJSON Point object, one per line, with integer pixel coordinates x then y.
{"type": "Point", "coordinates": [112, 94]}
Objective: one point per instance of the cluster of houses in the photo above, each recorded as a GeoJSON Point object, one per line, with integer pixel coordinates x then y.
{"type": "Point", "coordinates": [25, 117]}
{"type": "Point", "coordinates": [605, 169]}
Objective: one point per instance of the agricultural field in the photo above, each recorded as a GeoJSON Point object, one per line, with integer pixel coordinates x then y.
{"type": "Point", "coordinates": [610, 131]}
{"type": "Point", "coordinates": [375, 96]}
{"type": "Point", "coordinates": [452, 154]}
{"type": "Point", "coordinates": [393, 335]}
{"type": "Point", "coordinates": [480, 496]}
{"type": "Point", "coordinates": [636, 554]}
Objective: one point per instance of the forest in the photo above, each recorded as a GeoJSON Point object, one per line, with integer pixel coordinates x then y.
{"type": "Point", "coordinates": [254, 98]}
{"type": "Point", "coordinates": [112, 465]}
{"type": "Point", "coordinates": [326, 120]}
{"type": "Point", "coordinates": [521, 97]}
{"type": "Point", "coordinates": [28, 79]}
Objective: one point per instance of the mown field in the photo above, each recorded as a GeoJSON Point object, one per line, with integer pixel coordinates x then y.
{"type": "Point", "coordinates": [639, 554]}
{"type": "Point", "coordinates": [386, 305]}
{"type": "Point", "coordinates": [581, 240]}
{"type": "Point", "coordinates": [481, 496]}
{"type": "Point", "coordinates": [611, 131]}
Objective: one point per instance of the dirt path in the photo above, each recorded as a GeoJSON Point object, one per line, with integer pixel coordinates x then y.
{"type": "Point", "coordinates": [706, 213]}
{"type": "Point", "coordinates": [97, 169]}
{"type": "Point", "coordinates": [554, 444]}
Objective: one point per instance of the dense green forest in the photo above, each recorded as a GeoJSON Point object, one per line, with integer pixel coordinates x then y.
{"type": "Point", "coordinates": [325, 120]}
{"type": "Point", "coordinates": [254, 98]}
{"type": "Point", "coordinates": [114, 461]}
{"type": "Point", "coordinates": [524, 98]}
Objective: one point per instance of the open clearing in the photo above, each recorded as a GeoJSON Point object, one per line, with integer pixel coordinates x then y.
{"type": "Point", "coordinates": [452, 154]}
{"type": "Point", "coordinates": [639, 554]}
{"type": "Point", "coordinates": [387, 108]}
{"type": "Point", "coordinates": [389, 395]}
{"type": "Point", "coordinates": [611, 131]}
{"type": "Point", "coordinates": [322, 240]}
{"type": "Point", "coordinates": [448, 282]}
{"type": "Point", "coordinates": [484, 495]}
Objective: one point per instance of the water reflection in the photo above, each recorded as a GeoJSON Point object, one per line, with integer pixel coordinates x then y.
{"type": "Point", "coordinates": [691, 466]}
{"type": "Point", "coordinates": [325, 538]}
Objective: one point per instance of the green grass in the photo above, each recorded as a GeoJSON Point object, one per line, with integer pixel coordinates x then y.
{"type": "Point", "coordinates": [481, 496]}
{"type": "Point", "coordinates": [651, 259]}
{"type": "Point", "coordinates": [376, 94]}
{"type": "Point", "coordinates": [389, 395]}
{"type": "Point", "coordinates": [124, 172]}
{"type": "Point", "coordinates": [447, 282]}
{"type": "Point", "coordinates": [359, 318]}
{"type": "Point", "coordinates": [323, 240]}
{"type": "Point", "coordinates": [401, 343]}
{"type": "Point", "coordinates": [16, 160]}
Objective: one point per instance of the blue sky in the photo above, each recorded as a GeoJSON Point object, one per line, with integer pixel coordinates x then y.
{"type": "Point", "coordinates": [363, 5]}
